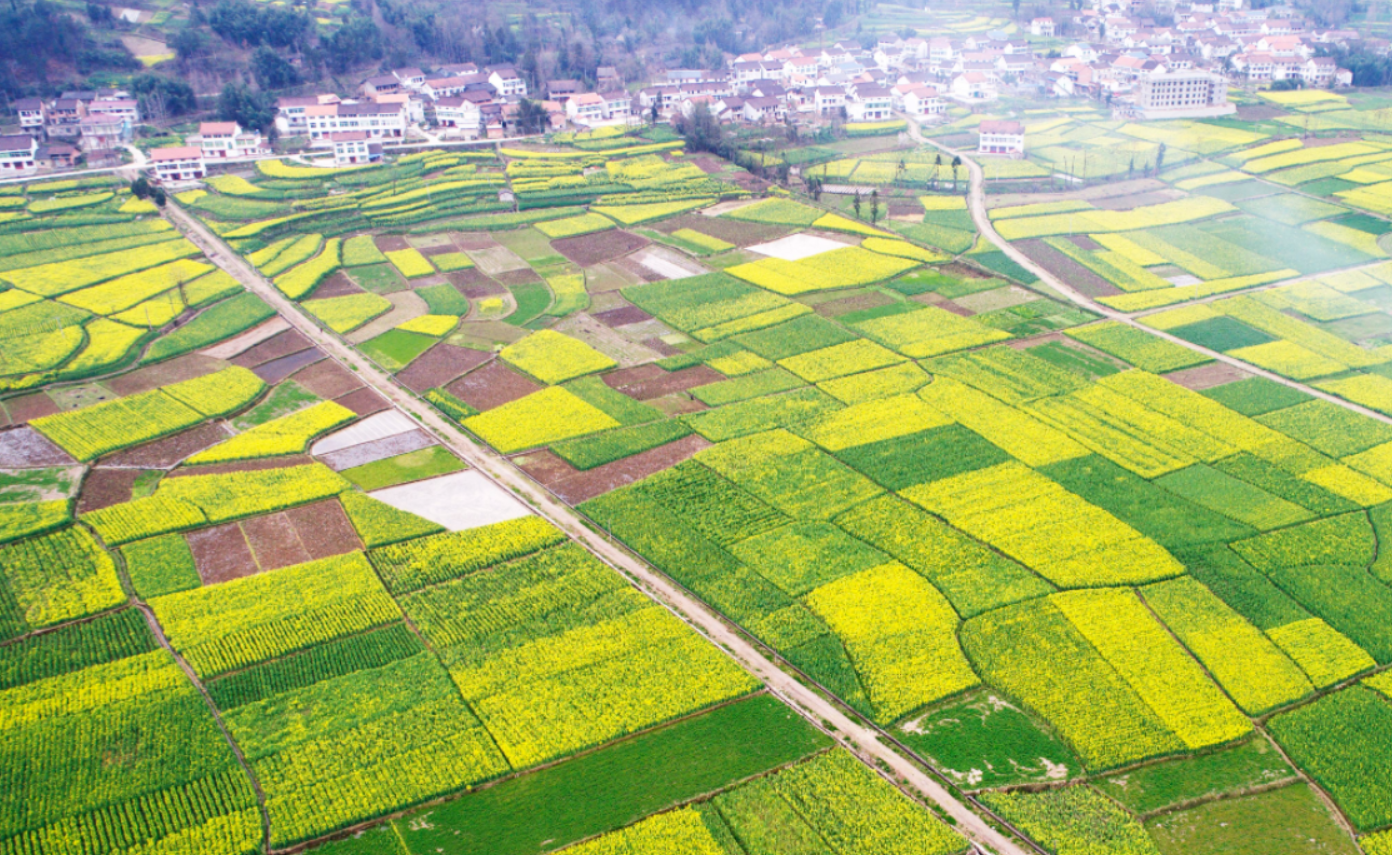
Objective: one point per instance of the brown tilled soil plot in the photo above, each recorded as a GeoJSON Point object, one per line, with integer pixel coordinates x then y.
{"type": "Point", "coordinates": [377, 449]}
{"type": "Point", "coordinates": [474, 284]}
{"type": "Point", "coordinates": [275, 347]}
{"type": "Point", "coordinates": [337, 285]}
{"type": "Point", "coordinates": [278, 369]}
{"type": "Point", "coordinates": [103, 488]}
{"type": "Point", "coordinates": [221, 554]}
{"type": "Point", "coordinates": [439, 365]}
{"type": "Point", "coordinates": [388, 243]}
{"type": "Point", "coordinates": [1136, 200]}
{"type": "Point", "coordinates": [586, 250]}
{"type": "Point", "coordinates": [1067, 269]}
{"type": "Point", "coordinates": [169, 451]}
{"type": "Point", "coordinates": [646, 382]}
{"type": "Point", "coordinates": [324, 529]}
{"type": "Point", "coordinates": [955, 308]}
{"type": "Point", "coordinates": [363, 401]}
{"type": "Point", "coordinates": [736, 232]}
{"type": "Point", "coordinates": [860, 302]}
{"type": "Point", "coordinates": [254, 465]}
{"type": "Point", "coordinates": [185, 367]}
{"type": "Point", "coordinates": [575, 486]}
{"type": "Point", "coordinates": [490, 386]}
{"type": "Point", "coordinates": [26, 408]}
{"type": "Point", "coordinates": [1207, 376]}
{"type": "Point", "coordinates": [622, 316]}
{"type": "Point", "coordinates": [526, 276]}
{"type": "Point", "coordinates": [328, 379]}
{"type": "Point", "coordinates": [474, 240]}
{"type": "Point", "coordinates": [274, 542]}
{"type": "Point", "coordinates": [26, 448]}
{"type": "Point", "coordinates": [660, 347]}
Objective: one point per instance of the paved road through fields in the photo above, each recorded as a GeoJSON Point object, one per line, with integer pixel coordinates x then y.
{"type": "Point", "coordinates": [864, 740]}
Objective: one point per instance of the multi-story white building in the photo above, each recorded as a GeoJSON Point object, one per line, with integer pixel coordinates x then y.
{"type": "Point", "coordinates": [507, 83]}
{"type": "Point", "coordinates": [180, 163]}
{"type": "Point", "coordinates": [378, 121]}
{"type": "Point", "coordinates": [1001, 136]}
{"type": "Point", "coordinates": [224, 140]}
{"type": "Point", "coordinates": [459, 113]}
{"type": "Point", "coordinates": [354, 147]}
{"type": "Point", "coordinates": [18, 154]}
{"type": "Point", "coordinates": [98, 132]}
{"type": "Point", "coordinates": [1182, 94]}
{"type": "Point", "coordinates": [127, 109]}
{"type": "Point", "coordinates": [31, 113]}
{"type": "Point", "coordinates": [870, 103]}
{"type": "Point", "coordinates": [291, 118]}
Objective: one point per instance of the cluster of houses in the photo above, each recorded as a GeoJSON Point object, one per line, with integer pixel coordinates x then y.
{"type": "Point", "coordinates": [462, 101]}
{"type": "Point", "coordinates": [1183, 68]}
{"type": "Point", "coordinates": [53, 134]}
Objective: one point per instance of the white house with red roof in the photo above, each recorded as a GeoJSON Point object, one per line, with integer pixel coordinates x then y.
{"type": "Point", "coordinates": [228, 141]}
{"type": "Point", "coordinates": [179, 163]}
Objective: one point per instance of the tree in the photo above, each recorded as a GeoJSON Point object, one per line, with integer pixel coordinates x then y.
{"type": "Point", "coordinates": [245, 106]}
{"type": "Point", "coordinates": [271, 71]}
{"type": "Point", "coordinates": [140, 188]}
{"type": "Point", "coordinates": [814, 188]}
{"type": "Point", "coordinates": [187, 44]}
{"type": "Point", "coordinates": [157, 195]}
{"type": "Point", "coordinates": [874, 205]}
{"type": "Point", "coordinates": [1159, 158]}
{"type": "Point", "coordinates": [652, 112]}
{"type": "Point", "coordinates": [834, 14]}
{"type": "Point", "coordinates": [703, 132]}
{"type": "Point", "coordinates": [1015, 5]}
{"type": "Point", "coordinates": [356, 43]}
{"type": "Point", "coordinates": [937, 167]}
{"type": "Point", "coordinates": [956, 164]}
{"type": "Point", "coordinates": [855, 203]}
{"type": "Point", "coordinates": [532, 118]}
{"type": "Point", "coordinates": [163, 97]}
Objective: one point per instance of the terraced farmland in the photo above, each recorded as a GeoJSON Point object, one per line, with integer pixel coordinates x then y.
{"type": "Point", "coordinates": [1091, 577]}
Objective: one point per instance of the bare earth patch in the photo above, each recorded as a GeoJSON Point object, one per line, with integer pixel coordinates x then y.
{"type": "Point", "coordinates": [337, 285]}
{"type": "Point", "coordinates": [370, 429]}
{"type": "Point", "coordinates": [405, 306]}
{"type": "Point", "coordinates": [1067, 269]}
{"type": "Point", "coordinates": [324, 529]}
{"type": "Point", "coordinates": [185, 367]}
{"type": "Point", "coordinates": [491, 385]}
{"type": "Point", "coordinates": [221, 554]}
{"type": "Point", "coordinates": [587, 250]}
{"type": "Point", "coordinates": [274, 542]}
{"type": "Point", "coordinates": [168, 452]}
{"type": "Point", "coordinates": [26, 448]}
{"type": "Point", "coordinates": [328, 379]}
{"type": "Point", "coordinates": [574, 486]}
{"type": "Point", "coordinates": [497, 259]}
{"type": "Point", "coordinates": [364, 402]}
{"type": "Point", "coordinates": [278, 369]}
{"type": "Point", "coordinates": [278, 346]}
{"type": "Point", "coordinates": [1207, 376]}
{"type": "Point", "coordinates": [622, 316]}
{"type": "Point", "coordinates": [647, 382]}
{"type": "Point", "coordinates": [605, 340]}
{"type": "Point", "coordinates": [256, 465]}
{"type": "Point", "coordinates": [26, 408]}
{"type": "Point", "coordinates": [252, 337]}
{"type": "Point", "coordinates": [439, 365]}
{"type": "Point", "coordinates": [106, 487]}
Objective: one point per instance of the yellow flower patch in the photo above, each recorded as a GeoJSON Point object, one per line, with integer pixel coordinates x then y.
{"type": "Point", "coordinates": [840, 360]}
{"type": "Point", "coordinates": [540, 418]}
{"type": "Point", "coordinates": [1024, 437]}
{"type": "Point", "coordinates": [929, 331]}
{"type": "Point", "coordinates": [873, 421]}
{"type": "Point", "coordinates": [901, 635]}
{"type": "Point", "coordinates": [1326, 655]}
{"type": "Point", "coordinates": [552, 357]}
{"type": "Point", "coordinates": [431, 325]}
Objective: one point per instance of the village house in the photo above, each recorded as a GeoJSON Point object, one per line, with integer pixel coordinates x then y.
{"type": "Point", "coordinates": [179, 163]}
{"type": "Point", "coordinates": [18, 154]}
{"type": "Point", "coordinates": [352, 147]}
{"type": "Point", "coordinates": [224, 140]}
{"type": "Point", "coordinates": [1002, 137]}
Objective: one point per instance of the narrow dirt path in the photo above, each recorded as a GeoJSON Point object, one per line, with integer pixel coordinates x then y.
{"type": "Point", "coordinates": [976, 203]}
{"type": "Point", "coordinates": [861, 739]}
